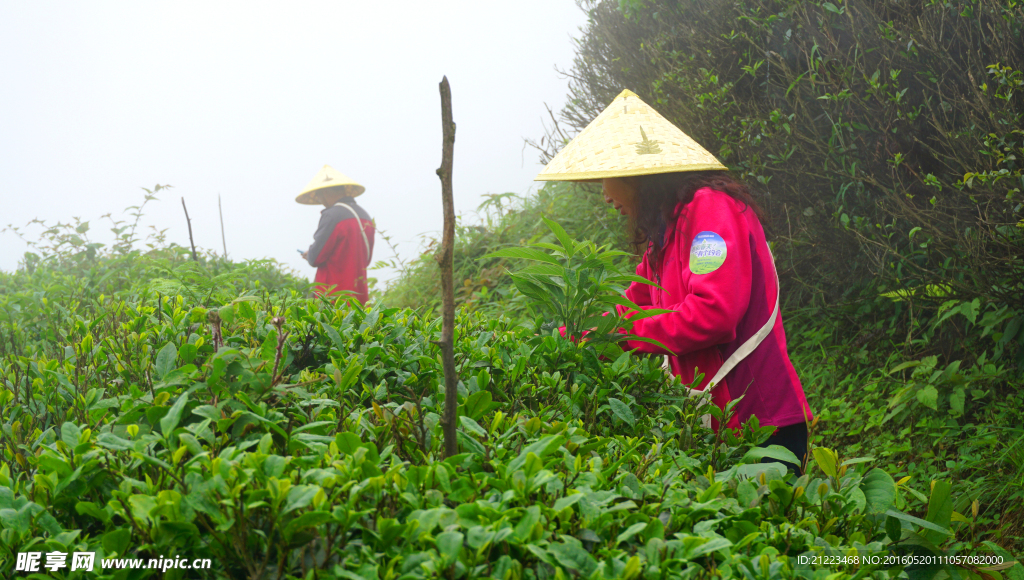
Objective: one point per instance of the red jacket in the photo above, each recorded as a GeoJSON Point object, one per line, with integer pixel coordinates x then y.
{"type": "Point", "coordinates": [339, 251]}
{"type": "Point", "coordinates": [717, 275]}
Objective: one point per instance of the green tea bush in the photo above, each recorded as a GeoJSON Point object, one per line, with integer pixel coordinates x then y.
{"type": "Point", "coordinates": [921, 418]}
{"type": "Point", "coordinates": [507, 221]}
{"type": "Point", "coordinates": [276, 454]}
{"type": "Point", "coordinates": [66, 279]}
{"type": "Point", "coordinates": [283, 436]}
{"type": "Point", "coordinates": [885, 141]}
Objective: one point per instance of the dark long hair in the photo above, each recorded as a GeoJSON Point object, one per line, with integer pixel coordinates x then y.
{"type": "Point", "coordinates": [658, 199]}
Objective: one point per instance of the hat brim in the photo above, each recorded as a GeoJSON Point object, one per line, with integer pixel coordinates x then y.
{"type": "Point", "coordinates": [595, 176]}
{"type": "Point", "coordinates": [629, 138]}
{"type": "Point", "coordinates": [313, 196]}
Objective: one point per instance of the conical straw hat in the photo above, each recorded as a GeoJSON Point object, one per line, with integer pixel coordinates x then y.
{"type": "Point", "coordinates": [627, 138]}
{"type": "Point", "coordinates": [329, 180]}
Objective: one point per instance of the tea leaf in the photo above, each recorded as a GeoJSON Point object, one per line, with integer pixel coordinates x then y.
{"type": "Point", "coordinates": [756, 454]}
{"type": "Point", "coordinates": [449, 545]}
{"type": "Point", "coordinates": [826, 460]}
{"type": "Point", "coordinates": [879, 490]}
{"type": "Point", "coordinates": [165, 359]}
{"type": "Point", "coordinates": [928, 397]}
{"type": "Point", "coordinates": [170, 420]}
{"type": "Point", "coordinates": [622, 411]}
{"type": "Point", "coordinates": [523, 254]}
{"type": "Point", "coordinates": [918, 521]}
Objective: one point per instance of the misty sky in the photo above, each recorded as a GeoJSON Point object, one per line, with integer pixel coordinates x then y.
{"type": "Point", "coordinates": [249, 99]}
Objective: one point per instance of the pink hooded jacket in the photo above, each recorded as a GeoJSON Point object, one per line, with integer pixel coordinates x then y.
{"type": "Point", "coordinates": [717, 276]}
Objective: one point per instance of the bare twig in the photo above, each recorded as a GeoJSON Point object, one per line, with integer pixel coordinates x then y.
{"type": "Point", "coordinates": [214, 318]}
{"type": "Point", "coordinates": [444, 260]}
{"type": "Point", "coordinates": [223, 240]}
{"type": "Point", "coordinates": [188, 220]}
{"type": "Point", "coordinates": [282, 336]}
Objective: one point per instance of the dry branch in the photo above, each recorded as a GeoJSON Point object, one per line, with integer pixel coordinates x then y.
{"type": "Point", "coordinates": [223, 240]}
{"type": "Point", "coordinates": [188, 220]}
{"type": "Point", "coordinates": [444, 260]}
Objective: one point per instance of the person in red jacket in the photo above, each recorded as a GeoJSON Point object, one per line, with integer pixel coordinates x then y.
{"type": "Point", "coordinates": [343, 243]}
{"type": "Point", "coordinates": [705, 248]}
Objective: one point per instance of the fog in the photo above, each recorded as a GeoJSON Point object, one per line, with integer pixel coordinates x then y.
{"type": "Point", "coordinates": [247, 100]}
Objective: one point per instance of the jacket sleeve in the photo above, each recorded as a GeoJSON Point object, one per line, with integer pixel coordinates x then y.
{"type": "Point", "coordinates": [325, 241]}
{"type": "Point", "coordinates": [715, 301]}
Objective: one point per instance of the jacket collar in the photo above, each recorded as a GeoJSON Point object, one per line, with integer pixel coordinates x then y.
{"type": "Point", "coordinates": [347, 201]}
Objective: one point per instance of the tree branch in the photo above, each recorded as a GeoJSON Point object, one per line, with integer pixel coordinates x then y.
{"type": "Point", "coordinates": [188, 220]}
{"type": "Point", "coordinates": [444, 260]}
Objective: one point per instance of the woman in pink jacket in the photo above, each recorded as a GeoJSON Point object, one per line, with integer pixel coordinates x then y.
{"type": "Point", "coordinates": [707, 253]}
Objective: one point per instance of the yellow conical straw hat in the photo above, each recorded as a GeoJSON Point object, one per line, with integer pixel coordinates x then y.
{"type": "Point", "coordinates": [329, 180]}
{"type": "Point", "coordinates": [627, 138]}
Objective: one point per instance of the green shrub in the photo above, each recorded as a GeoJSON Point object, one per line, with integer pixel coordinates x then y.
{"type": "Point", "coordinates": [284, 437]}
{"type": "Point", "coordinates": [311, 439]}
{"type": "Point", "coordinates": [508, 221]}
{"type": "Point", "coordinates": [886, 138]}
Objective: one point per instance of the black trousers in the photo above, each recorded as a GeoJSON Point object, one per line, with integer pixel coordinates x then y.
{"type": "Point", "coordinates": [792, 437]}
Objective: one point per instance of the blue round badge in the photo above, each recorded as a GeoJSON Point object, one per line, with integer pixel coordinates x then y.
{"type": "Point", "coordinates": [707, 253]}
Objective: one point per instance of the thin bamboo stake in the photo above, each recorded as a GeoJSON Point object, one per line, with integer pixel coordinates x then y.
{"type": "Point", "coordinates": [222, 239]}
{"type": "Point", "coordinates": [444, 260]}
{"type": "Point", "coordinates": [188, 220]}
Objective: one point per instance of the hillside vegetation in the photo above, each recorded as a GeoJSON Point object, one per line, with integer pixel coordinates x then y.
{"type": "Point", "coordinates": [155, 406]}
{"type": "Point", "coordinates": [155, 403]}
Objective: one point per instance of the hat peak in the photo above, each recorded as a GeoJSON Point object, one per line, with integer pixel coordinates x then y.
{"type": "Point", "coordinates": [329, 179]}
{"type": "Point", "coordinates": [628, 138]}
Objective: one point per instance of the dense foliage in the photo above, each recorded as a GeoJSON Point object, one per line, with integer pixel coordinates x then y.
{"type": "Point", "coordinates": [284, 437]}
{"type": "Point", "coordinates": [886, 141]}
{"type": "Point", "coordinates": [508, 220]}
{"type": "Point", "coordinates": [159, 403]}
{"type": "Point", "coordinates": [887, 137]}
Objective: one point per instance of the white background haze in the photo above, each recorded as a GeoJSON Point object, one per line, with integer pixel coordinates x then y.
{"type": "Point", "coordinates": [249, 99]}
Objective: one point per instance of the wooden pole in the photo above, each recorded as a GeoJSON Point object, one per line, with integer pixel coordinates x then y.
{"type": "Point", "coordinates": [444, 260]}
{"type": "Point", "coordinates": [188, 220]}
{"type": "Point", "coordinates": [222, 239]}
